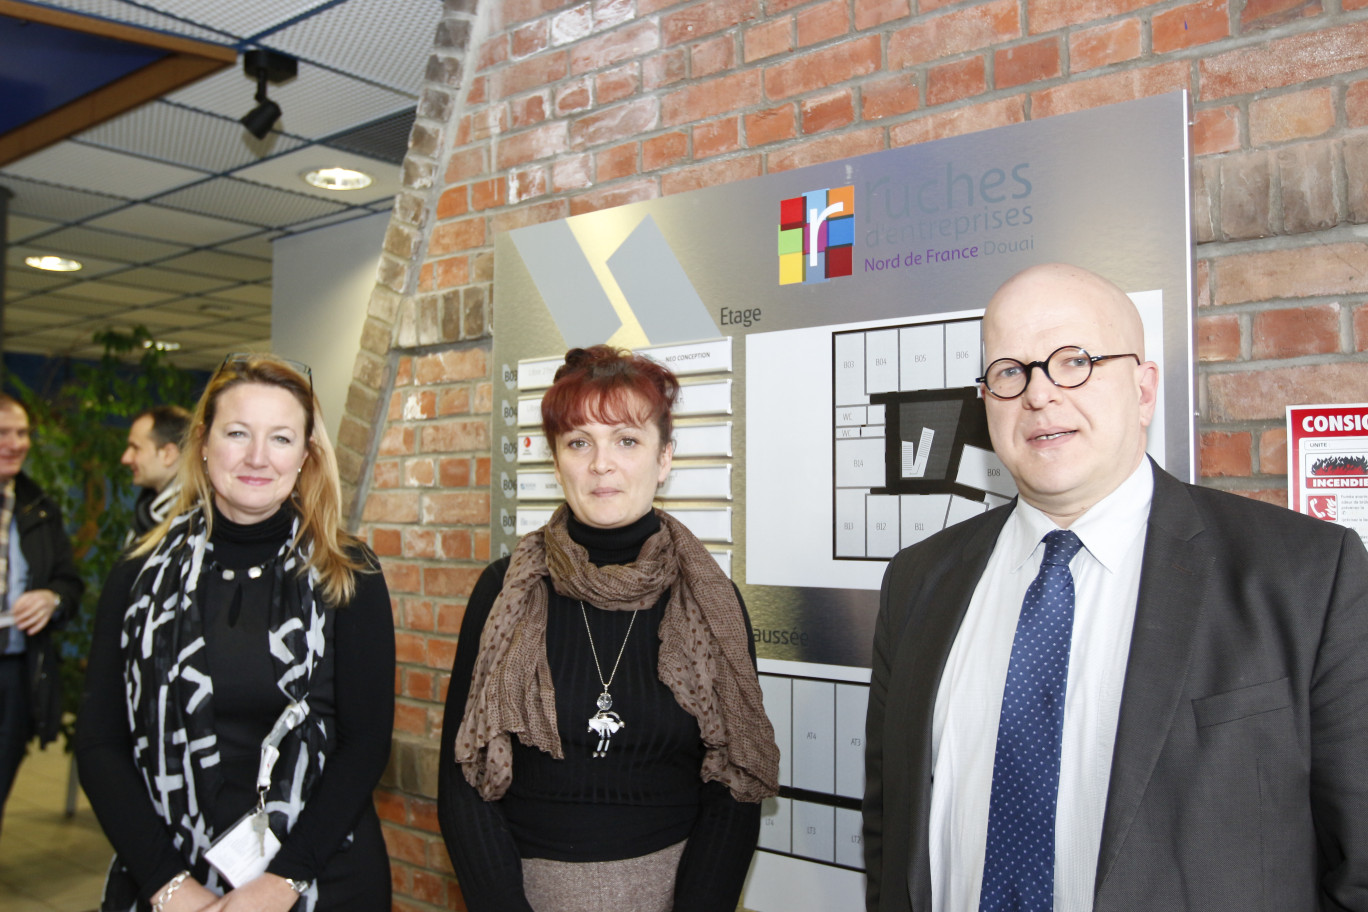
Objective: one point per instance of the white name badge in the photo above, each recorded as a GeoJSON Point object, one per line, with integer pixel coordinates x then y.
{"type": "Point", "coordinates": [240, 854]}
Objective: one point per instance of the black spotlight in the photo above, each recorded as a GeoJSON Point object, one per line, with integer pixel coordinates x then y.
{"type": "Point", "coordinates": [265, 66]}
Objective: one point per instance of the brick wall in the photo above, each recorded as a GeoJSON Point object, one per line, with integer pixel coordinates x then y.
{"type": "Point", "coordinates": [537, 109]}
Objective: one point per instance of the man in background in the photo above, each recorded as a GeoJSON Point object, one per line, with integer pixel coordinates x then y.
{"type": "Point", "coordinates": [42, 589]}
{"type": "Point", "coordinates": [154, 454]}
{"type": "Point", "coordinates": [1119, 692]}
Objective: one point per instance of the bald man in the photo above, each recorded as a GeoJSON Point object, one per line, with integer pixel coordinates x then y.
{"type": "Point", "coordinates": [1118, 692]}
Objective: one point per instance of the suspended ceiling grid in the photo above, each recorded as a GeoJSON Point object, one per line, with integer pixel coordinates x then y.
{"type": "Point", "coordinates": [173, 206]}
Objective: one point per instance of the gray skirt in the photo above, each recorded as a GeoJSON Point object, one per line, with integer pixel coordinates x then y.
{"type": "Point", "coordinates": [642, 884]}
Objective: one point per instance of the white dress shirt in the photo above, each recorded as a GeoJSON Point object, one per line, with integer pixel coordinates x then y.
{"type": "Point", "coordinates": [1106, 575]}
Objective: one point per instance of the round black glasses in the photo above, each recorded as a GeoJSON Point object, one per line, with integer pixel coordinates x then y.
{"type": "Point", "coordinates": [1068, 367]}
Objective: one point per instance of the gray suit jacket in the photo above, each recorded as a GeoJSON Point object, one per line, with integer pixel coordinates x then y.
{"type": "Point", "coordinates": [1240, 776]}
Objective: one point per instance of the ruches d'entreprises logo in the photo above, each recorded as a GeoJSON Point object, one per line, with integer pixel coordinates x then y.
{"type": "Point", "coordinates": [817, 236]}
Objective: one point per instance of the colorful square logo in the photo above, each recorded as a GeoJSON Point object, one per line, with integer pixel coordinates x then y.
{"type": "Point", "coordinates": [817, 236]}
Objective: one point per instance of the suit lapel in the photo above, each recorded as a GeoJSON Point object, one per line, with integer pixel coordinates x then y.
{"type": "Point", "coordinates": [922, 654]}
{"type": "Point", "coordinates": [1175, 572]}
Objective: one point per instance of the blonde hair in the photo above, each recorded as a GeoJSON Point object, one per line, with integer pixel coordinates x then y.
{"type": "Point", "coordinates": [317, 494]}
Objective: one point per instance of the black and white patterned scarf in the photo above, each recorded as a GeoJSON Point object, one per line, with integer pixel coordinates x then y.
{"type": "Point", "coordinates": [169, 696]}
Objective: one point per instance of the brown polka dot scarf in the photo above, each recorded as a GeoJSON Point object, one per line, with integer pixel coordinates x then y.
{"type": "Point", "coordinates": [704, 656]}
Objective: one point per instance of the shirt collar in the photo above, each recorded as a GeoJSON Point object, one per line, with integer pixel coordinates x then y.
{"type": "Point", "coordinates": [1107, 529]}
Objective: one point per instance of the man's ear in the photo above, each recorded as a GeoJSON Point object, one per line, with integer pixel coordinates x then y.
{"type": "Point", "coordinates": [168, 453]}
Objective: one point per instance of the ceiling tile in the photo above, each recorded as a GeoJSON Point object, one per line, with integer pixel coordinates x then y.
{"type": "Point", "coordinates": [141, 14]}
{"type": "Point", "coordinates": [258, 245]}
{"type": "Point", "coordinates": [82, 242]}
{"type": "Point", "coordinates": [28, 319]}
{"type": "Point", "coordinates": [53, 202]}
{"type": "Point", "coordinates": [21, 227]}
{"type": "Point", "coordinates": [23, 279]}
{"type": "Point", "coordinates": [111, 292]}
{"type": "Point", "coordinates": [166, 280]}
{"type": "Point", "coordinates": [157, 319]}
{"type": "Point", "coordinates": [171, 225]}
{"type": "Point", "coordinates": [379, 40]}
{"type": "Point", "coordinates": [286, 172]}
{"type": "Point", "coordinates": [62, 304]}
{"type": "Point", "coordinates": [92, 266]}
{"type": "Point", "coordinates": [248, 202]}
{"type": "Point", "coordinates": [259, 294]}
{"type": "Point", "coordinates": [85, 167]}
{"type": "Point", "coordinates": [220, 265]}
{"type": "Point", "coordinates": [174, 133]}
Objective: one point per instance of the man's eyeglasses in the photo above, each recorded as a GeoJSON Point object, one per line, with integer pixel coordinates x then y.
{"type": "Point", "coordinates": [246, 357]}
{"type": "Point", "coordinates": [1069, 368]}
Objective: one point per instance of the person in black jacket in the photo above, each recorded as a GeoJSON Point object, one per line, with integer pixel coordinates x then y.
{"type": "Point", "coordinates": [42, 588]}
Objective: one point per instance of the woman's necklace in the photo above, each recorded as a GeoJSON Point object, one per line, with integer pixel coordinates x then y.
{"type": "Point", "coordinates": [605, 723]}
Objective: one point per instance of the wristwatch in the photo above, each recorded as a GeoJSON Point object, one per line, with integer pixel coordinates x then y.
{"type": "Point", "coordinates": [299, 886]}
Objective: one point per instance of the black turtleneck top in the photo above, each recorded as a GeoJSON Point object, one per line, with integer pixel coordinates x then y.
{"type": "Point", "coordinates": [354, 686]}
{"type": "Point", "coordinates": [646, 794]}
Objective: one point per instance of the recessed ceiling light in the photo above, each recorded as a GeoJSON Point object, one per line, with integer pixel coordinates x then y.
{"type": "Point", "coordinates": [53, 263]}
{"type": "Point", "coordinates": [161, 345]}
{"type": "Point", "coordinates": [337, 179]}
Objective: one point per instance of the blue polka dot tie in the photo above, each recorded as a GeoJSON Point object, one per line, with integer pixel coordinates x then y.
{"type": "Point", "coordinates": [1018, 869]}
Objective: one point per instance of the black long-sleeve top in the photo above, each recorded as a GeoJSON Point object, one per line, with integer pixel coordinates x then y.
{"type": "Point", "coordinates": [355, 686]}
{"type": "Point", "coordinates": [644, 795]}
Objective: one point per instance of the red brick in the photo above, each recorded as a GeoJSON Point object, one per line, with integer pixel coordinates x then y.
{"type": "Point", "coordinates": [1025, 63]}
{"type": "Point", "coordinates": [1273, 451]}
{"type": "Point", "coordinates": [608, 13]}
{"type": "Point", "coordinates": [482, 467]}
{"type": "Point", "coordinates": [481, 552]}
{"type": "Point", "coordinates": [824, 68]}
{"type": "Point", "coordinates": [617, 84]}
{"type": "Point", "coordinates": [828, 112]}
{"type": "Point", "coordinates": [823, 22]}
{"type": "Point", "coordinates": [573, 96]}
{"type": "Point", "coordinates": [774, 7]}
{"type": "Point", "coordinates": [614, 47]}
{"type": "Point", "coordinates": [704, 100]}
{"type": "Point", "coordinates": [1306, 173]}
{"type": "Point", "coordinates": [456, 507]}
{"type": "Point", "coordinates": [390, 806]}
{"type": "Point", "coordinates": [572, 25]}
{"type": "Point", "coordinates": [968, 119]}
{"type": "Point", "coordinates": [1216, 130]}
{"type": "Point", "coordinates": [455, 544]}
{"type": "Point", "coordinates": [1292, 115]}
{"type": "Point", "coordinates": [1261, 14]}
{"type": "Point", "coordinates": [509, 13]}
{"type": "Point", "coordinates": [616, 162]}
{"type": "Point", "coordinates": [429, 888]}
{"type": "Point", "coordinates": [453, 471]}
{"type": "Point", "coordinates": [528, 184]}
{"type": "Point", "coordinates": [397, 441]}
{"type": "Point", "coordinates": [450, 237]}
{"type": "Point", "coordinates": [418, 614]}
{"type": "Point", "coordinates": [953, 81]}
{"type": "Point", "coordinates": [572, 173]}
{"type": "Point", "coordinates": [1109, 89]}
{"type": "Point", "coordinates": [1218, 338]}
{"type": "Point", "coordinates": [385, 474]}
{"type": "Point", "coordinates": [614, 123]}
{"type": "Point", "coordinates": [1361, 327]}
{"type": "Point", "coordinates": [951, 34]}
{"type": "Point", "coordinates": [385, 542]}
{"type": "Point", "coordinates": [455, 436]}
{"type": "Point", "coordinates": [664, 150]}
{"type": "Point", "coordinates": [528, 39]}
{"type": "Point", "coordinates": [450, 366]}
{"type": "Point", "coordinates": [1203, 276]}
{"type": "Point", "coordinates": [1190, 25]}
{"type": "Point", "coordinates": [441, 653]}
{"type": "Point", "coordinates": [1287, 61]}
{"type": "Point", "coordinates": [717, 137]}
{"type": "Point", "coordinates": [711, 174]}
{"type": "Point", "coordinates": [869, 13]}
{"type": "Point", "coordinates": [828, 148]}
{"type": "Point", "coordinates": [532, 73]}
{"type": "Point", "coordinates": [449, 619]}
{"type": "Point", "coordinates": [409, 719]}
{"type": "Point", "coordinates": [399, 577]}
{"type": "Point", "coordinates": [420, 473]}
{"type": "Point", "coordinates": [520, 217]}
{"type": "Point", "coordinates": [450, 581]}
{"type": "Point", "coordinates": [1053, 15]}
{"type": "Point", "coordinates": [396, 507]}
{"type": "Point", "coordinates": [451, 272]}
{"type": "Point", "coordinates": [1310, 330]}
{"type": "Point", "coordinates": [1104, 45]}
{"type": "Point", "coordinates": [487, 194]}
{"type": "Point", "coordinates": [1297, 272]}
{"type": "Point", "coordinates": [1356, 104]}
{"type": "Point", "coordinates": [423, 814]}
{"type": "Point", "coordinates": [616, 195]}
{"type": "Point", "coordinates": [888, 97]}
{"type": "Point", "coordinates": [767, 39]}
{"type": "Point", "coordinates": [404, 846]}
{"type": "Point", "coordinates": [665, 69]}
{"type": "Point", "coordinates": [528, 109]}
{"type": "Point", "coordinates": [1263, 395]}
{"type": "Point", "coordinates": [465, 165]}
{"type": "Point", "coordinates": [492, 53]}
{"type": "Point", "coordinates": [706, 18]}
{"type": "Point", "coordinates": [1225, 454]}
{"type": "Point", "coordinates": [708, 58]}
{"type": "Point", "coordinates": [453, 201]}
{"type": "Point", "coordinates": [530, 145]}
{"type": "Point", "coordinates": [772, 125]}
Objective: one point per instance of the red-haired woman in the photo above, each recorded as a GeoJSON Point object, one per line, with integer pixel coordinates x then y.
{"type": "Point", "coordinates": [610, 750]}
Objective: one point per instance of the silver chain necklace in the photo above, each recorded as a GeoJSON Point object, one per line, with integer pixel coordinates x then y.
{"type": "Point", "coordinates": [605, 723]}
